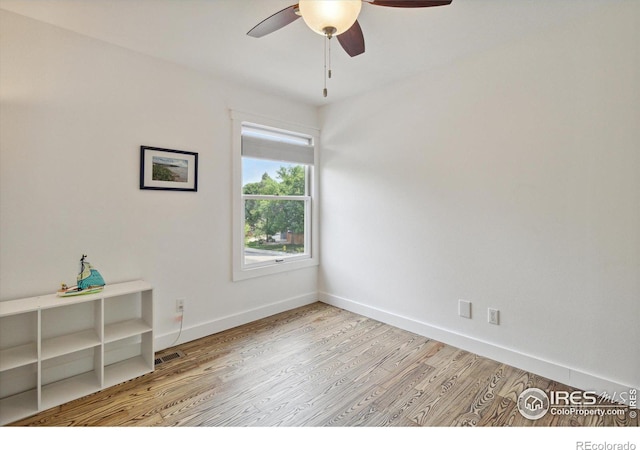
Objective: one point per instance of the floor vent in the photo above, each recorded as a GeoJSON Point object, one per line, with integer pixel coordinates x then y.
{"type": "Point", "coordinates": [169, 357]}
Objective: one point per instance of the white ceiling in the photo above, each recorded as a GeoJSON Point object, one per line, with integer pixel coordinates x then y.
{"type": "Point", "coordinates": [210, 35]}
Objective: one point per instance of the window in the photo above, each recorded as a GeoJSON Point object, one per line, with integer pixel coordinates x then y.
{"type": "Point", "coordinates": [274, 187]}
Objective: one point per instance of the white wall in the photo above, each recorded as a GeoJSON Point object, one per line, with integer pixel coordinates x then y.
{"type": "Point", "coordinates": [74, 113]}
{"type": "Point", "coordinates": [510, 179]}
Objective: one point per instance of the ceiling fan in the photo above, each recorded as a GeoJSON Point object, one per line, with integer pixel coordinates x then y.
{"type": "Point", "coordinates": [333, 18]}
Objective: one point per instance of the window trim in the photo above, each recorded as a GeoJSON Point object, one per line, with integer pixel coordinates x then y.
{"type": "Point", "coordinates": [239, 271]}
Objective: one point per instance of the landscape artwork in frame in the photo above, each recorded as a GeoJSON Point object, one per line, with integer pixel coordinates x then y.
{"type": "Point", "coordinates": [165, 169]}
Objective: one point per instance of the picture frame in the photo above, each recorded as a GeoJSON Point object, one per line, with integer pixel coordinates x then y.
{"type": "Point", "coordinates": [168, 170]}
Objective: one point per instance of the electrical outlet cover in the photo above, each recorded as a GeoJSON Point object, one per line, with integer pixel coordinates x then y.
{"type": "Point", "coordinates": [494, 316]}
{"type": "Point", "coordinates": [464, 308]}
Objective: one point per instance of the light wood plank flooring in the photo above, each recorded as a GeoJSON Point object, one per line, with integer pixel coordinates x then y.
{"type": "Point", "coordinates": [317, 366]}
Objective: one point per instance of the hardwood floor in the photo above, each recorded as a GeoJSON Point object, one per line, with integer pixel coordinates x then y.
{"type": "Point", "coordinates": [318, 366]}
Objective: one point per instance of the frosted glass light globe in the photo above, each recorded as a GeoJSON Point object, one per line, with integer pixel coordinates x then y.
{"type": "Point", "coordinates": [322, 14]}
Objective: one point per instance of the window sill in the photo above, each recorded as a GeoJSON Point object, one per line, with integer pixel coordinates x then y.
{"type": "Point", "coordinates": [239, 275]}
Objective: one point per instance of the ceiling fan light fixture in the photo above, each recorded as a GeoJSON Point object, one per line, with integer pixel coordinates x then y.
{"type": "Point", "coordinates": [330, 17]}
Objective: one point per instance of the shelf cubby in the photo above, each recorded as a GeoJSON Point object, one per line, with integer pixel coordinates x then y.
{"type": "Point", "coordinates": [18, 339]}
{"type": "Point", "coordinates": [67, 389]}
{"type": "Point", "coordinates": [17, 356]}
{"type": "Point", "coordinates": [13, 407]}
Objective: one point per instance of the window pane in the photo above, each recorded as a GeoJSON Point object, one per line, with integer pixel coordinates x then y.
{"type": "Point", "coordinates": [264, 177]}
{"type": "Point", "coordinates": [274, 230]}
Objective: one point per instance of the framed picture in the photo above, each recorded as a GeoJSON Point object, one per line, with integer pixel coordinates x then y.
{"type": "Point", "coordinates": [165, 169]}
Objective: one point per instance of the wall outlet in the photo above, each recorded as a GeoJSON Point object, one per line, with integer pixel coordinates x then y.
{"type": "Point", "coordinates": [464, 308]}
{"type": "Point", "coordinates": [493, 316]}
{"type": "Point", "coordinates": [180, 305]}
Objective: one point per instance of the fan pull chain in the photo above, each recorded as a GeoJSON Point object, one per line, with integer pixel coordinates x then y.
{"type": "Point", "coordinates": [327, 57]}
{"type": "Point", "coordinates": [329, 72]}
{"type": "Point", "coordinates": [328, 32]}
{"type": "Point", "coordinates": [324, 91]}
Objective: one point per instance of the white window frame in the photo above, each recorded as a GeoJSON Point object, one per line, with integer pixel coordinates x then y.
{"type": "Point", "coordinates": [310, 259]}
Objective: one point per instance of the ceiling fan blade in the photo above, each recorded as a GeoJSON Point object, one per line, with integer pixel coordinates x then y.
{"type": "Point", "coordinates": [275, 22]}
{"type": "Point", "coordinates": [352, 40]}
{"type": "Point", "coordinates": [409, 3]}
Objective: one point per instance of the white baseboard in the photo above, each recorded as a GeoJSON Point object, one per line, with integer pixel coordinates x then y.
{"type": "Point", "coordinates": [200, 330]}
{"type": "Point", "coordinates": [512, 357]}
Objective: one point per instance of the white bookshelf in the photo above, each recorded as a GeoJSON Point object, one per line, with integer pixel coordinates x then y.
{"type": "Point", "coordinates": [54, 350]}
